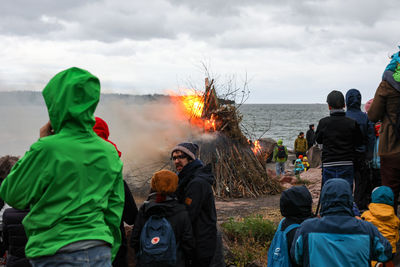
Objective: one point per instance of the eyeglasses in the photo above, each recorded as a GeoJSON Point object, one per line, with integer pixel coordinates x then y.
{"type": "Point", "coordinates": [178, 157]}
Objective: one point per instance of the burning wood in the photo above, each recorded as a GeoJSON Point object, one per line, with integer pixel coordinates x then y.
{"type": "Point", "coordinates": [236, 163]}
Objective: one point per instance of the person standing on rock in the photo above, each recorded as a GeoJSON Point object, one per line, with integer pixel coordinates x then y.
{"type": "Point", "coordinates": [280, 157]}
{"type": "Point", "coordinates": [195, 191]}
{"type": "Point", "coordinates": [310, 136]}
{"type": "Point", "coordinates": [339, 136]}
{"type": "Point", "coordinates": [70, 179]}
{"type": "Point", "coordinates": [300, 145]}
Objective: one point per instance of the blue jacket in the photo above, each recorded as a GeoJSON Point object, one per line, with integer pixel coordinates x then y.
{"type": "Point", "coordinates": [353, 103]}
{"type": "Point", "coordinates": [338, 238]}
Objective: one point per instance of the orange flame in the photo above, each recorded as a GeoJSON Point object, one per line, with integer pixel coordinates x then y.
{"type": "Point", "coordinates": [194, 105]}
{"type": "Point", "coordinates": [257, 147]}
{"type": "Point", "coordinates": [209, 125]}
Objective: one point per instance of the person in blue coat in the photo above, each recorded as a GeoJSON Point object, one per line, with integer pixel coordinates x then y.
{"type": "Point", "coordinates": [338, 238]}
{"type": "Point", "coordinates": [364, 152]}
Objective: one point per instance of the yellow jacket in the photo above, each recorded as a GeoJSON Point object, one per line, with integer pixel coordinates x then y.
{"type": "Point", "coordinates": [383, 217]}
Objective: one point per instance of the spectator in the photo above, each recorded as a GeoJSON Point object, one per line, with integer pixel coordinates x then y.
{"type": "Point", "coordinates": [300, 145]}
{"type": "Point", "coordinates": [162, 202]}
{"type": "Point", "coordinates": [338, 238]}
{"type": "Point", "coordinates": [364, 152]}
{"type": "Point", "coordinates": [381, 214]}
{"type": "Point", "coordinates": [280, 156]}
{"type": "Point", "coordinates": [305, 163]}
{"type": "Point", "coordinates": [70, 179]}
{"type": "Point", "coordinates": [339, 137]}
{"type": "Point", "coordinates": [130, 208]}
{"type": "Point", "coordinates": [195, 191]}
{"type": "Point", "coordinates": [295, 206]}
{"type": "Point", "coordinates": [310, 136]}
{"type": "Point", "coordinates": [385, 108]}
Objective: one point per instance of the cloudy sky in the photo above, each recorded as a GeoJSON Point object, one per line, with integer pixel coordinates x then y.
{"type": "Point", "coordinates": [292, 51]}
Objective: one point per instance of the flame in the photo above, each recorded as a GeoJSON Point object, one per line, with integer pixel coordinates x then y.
{"type": "Point", "coordinates": [193, 104]}
{"type": "Point", "coordinates": [209, 125]}
{"type": "Point", "coordinates": [257, 147]}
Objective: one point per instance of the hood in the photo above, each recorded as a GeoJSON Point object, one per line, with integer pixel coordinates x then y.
{"type": "Point", "coordinates": [71, 98]}
{"type": "Point", "coordinates": [296, 202]}
{"type": "Point", "coordinates": [280, 142]}
{"type": "Point", "coordinates": [381, 211]}
{"type": "Point", "coordinates": [336, 198]}
{"type": "Point", "coordinates": [101, 129]}
{"type": "Point", "coordinates": [353, 99]}
{"type": "Point", "coordinates": [383, 195]}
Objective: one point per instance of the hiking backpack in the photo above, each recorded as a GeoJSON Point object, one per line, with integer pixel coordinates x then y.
{"type": "Point", "coordinates": [281, 152]}
{"type": "Point", "coordinates": [157, 243]}
{"type": "Point", "coordinates": [278, 253]}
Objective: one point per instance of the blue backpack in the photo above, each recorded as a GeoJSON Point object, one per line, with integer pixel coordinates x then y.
{"type": "Point", "coordinates": [157, 243]}
{"type": "Point", "coordinates": [278, 253]}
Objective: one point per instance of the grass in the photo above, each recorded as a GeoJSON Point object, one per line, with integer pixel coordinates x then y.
{"type": "Point", "coordinates": [249, 238]}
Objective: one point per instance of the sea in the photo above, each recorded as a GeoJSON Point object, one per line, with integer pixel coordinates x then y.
{"type": "Point", "coordinates": [19, 124]}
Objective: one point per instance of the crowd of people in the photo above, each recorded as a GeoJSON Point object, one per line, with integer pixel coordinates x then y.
{"type": "Point", "coordinates": [360, 172]}
{"type": "Point", "coordinates": [65, 203]}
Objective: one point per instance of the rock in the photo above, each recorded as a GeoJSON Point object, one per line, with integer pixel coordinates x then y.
{"type": "Point", "coordinates": [314, 156]}
{"type": "Point", "coordinates": [271, 173]}
{"type": "Point", "coordinates": [267, 145]}
{"type": "Point", "coordinates": [287, 179]}
{"type": "Point", "coordinates": [286, 185]}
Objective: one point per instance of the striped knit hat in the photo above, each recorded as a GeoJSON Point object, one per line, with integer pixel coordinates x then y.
{"type": "Point", "coordinates": [188, 148]}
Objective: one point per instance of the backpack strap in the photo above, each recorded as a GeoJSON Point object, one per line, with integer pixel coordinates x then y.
{"type": "Point", "coordinates": [290, 228]}
{"type": "Point", "coordinates": [280, 225]}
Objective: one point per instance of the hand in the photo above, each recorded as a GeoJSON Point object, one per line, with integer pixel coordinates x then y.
{"type": "Point", "coordinates": [46, 130]}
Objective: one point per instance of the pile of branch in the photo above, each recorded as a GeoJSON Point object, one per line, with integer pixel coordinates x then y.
{"type": "Point", "coordinates": [238, 172]}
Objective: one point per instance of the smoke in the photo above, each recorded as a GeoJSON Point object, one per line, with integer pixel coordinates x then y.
{"type": "Point", "coordinates": [145, 134]}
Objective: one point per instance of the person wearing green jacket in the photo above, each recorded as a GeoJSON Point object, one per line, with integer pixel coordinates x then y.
{"type": "Point", "coordinates": [280, 157]}
{"type": "Point", "coordinates": [70, 179]}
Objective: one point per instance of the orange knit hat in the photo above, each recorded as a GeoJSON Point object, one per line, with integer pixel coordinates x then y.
{"type": "Point", "coordinates": [164, 182]}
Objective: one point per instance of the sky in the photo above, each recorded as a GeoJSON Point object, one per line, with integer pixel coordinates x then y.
{"type": "Point", "coordinates": [287, 51]}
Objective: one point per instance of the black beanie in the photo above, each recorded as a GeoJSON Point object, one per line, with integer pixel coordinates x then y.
{"type": "Point", "coordinates": [188, 148]}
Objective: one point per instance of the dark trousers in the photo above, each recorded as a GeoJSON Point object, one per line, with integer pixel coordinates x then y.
{"type": "Point", "coordinates": [376, 178]}
{"type": "Point", "coordinates": [362, 182]}
{"type": "Point", "coordinates": [344, 172]}
{"type": "Point", "coordinates": [390, 173]}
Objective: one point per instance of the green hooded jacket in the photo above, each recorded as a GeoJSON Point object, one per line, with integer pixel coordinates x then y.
{"type": "Point", "coordinates": [71, 181]}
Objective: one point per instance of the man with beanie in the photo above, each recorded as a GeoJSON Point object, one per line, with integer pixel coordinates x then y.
{"type": "Point", "coordinates": [295, 206]}
{"type": "Point", "coordinates": [163, 202]}
{"type": "Point", "coordinates": [338, 238]}
{"type": "Point", "coordinates": [364, 152]}
{"type": "Point", "coordinates": [339, 137]}
{"type": "Point", "coordinates": [70, 179]}
{"type": "Point", "coordinates": [280, 156]}
{"type": "Point", "coordinates": [195, 191]}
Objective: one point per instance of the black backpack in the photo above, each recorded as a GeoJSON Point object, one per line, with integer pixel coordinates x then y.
{"type": "Point", "coordinates": [396, 123]}
{"type": "Point", "coordinates": [281, 152]}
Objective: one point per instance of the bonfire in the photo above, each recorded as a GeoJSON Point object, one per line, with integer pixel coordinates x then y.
{"type": "Point", "coordinates": [237, 162]}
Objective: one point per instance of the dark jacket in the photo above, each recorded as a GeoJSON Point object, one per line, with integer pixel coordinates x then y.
{"type": "Point", "coordinates": [310, 137]}
{"type": "Point", "coordinates": [14, 237]}
{"type": "Point", "coordinates": [176, 215]}
{"type": "Point", "coordinates": [128, 216]}
{"type": "Point", "coordinates": [386, 102]}
{"type": "Point", "coordinates": [295, 206]}
{"type": "Point", "coordinates": [195, 191]}
{"type": "Point", "coordinates": [353, 103]}
{"type": "Point", "coordinates": [338, 238]}
{"type": "Point", "coordinates": [339, 136]}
